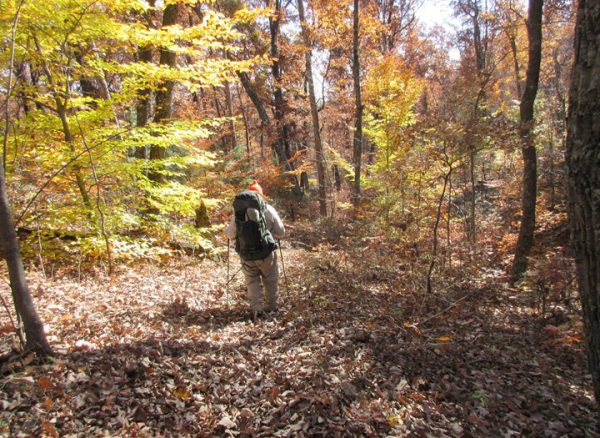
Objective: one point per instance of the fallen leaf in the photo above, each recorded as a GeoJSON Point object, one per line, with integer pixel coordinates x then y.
{"type": "Point", "coordinates": [48, 403]}
{"type": "Point", "coordinates": [45, 383]}
{"type": "Point", "coordinates": [394, 420]}
{"type": "Point", "coordinates": [49, 429]}
{"type": "Point", "coordinates": [227, 423]}
{"type": "Point", "coordinates": [183, 394]}
{"type": "Point", "coordinates": [572, 339]}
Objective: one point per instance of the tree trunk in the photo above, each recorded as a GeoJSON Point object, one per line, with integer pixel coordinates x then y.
{"type": "Point", "coordinates": [232, 136]}
{"type": "Point", "coordinates": [515, 54]}
{"type": "Point", "coordinates": [88, 85]}
{"type": "Point", "coordinates": [265, 120]}
{"type": "Point", "coordinates": [61, 109]}
{"type": "Point", "coordinates": [247, 138]}
{"type": "Point", "coordinates": [438, 216]}
{"type": "Point", "coordinates": [525, 240]}
{"type": "Point", "coordinates": [337, 177]}
{"type": "Point", "coordinates": [357, 153]}
{"type": "Point", "coordinates": [23, 75]}
{"type": "Point", "coordinates": [477, 43]}
{"type": "Point", "coordinates": [255, 98]}
{"type": "Point", "coordinates": [34, 329]}
{"type": "Point", "coordinates": [281, 144]}
{"type": "Point", "coordinates": [164, 96]}
{"type": "Point", "coordinates": [583, 158]}
{"type": "Point", "coordinates": [473, 197]}
{"type": "Point", "coordinates": [448, 223]}
{"type": "Point", "coordinates": [480, 57]}
{"type": "Point", "coordinates": [314, 112]}
{"type": "Point", "coordinates": [142, 106]}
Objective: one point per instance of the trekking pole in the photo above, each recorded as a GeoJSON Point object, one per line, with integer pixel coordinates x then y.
{"type": "Point", "coordinates": [227, 286]}
{"type": "Point", "coordinates": [234, 275]}
{"type": "Point", "coordinates": [287, 289]}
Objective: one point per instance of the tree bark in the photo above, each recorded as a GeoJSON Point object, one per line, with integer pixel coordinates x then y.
{"type": "Point", "coordinates": [62, 114]}
{"type": "Point", "coordinates": [477, 43]}
{"type": "Point", "coordinates": [525, 240]}
{"type": "Point", "coordinates": [517, 70]}
{"type": "Point", "coordinates": [34, 328]}
{"type": "Point", "coordinates": [247, 138]}
{"type": "Point", "coordinates": [89, 88]}
{"type": "Point", "coordinates": [438, 217]}
{"type": "Point", "coordinates": [583, 158]}
{"type": "Point", "coordinates": [142, 106]}
{"type": "Point", "coordinates": [337, 177]}
{"type": "Point", "coordinates": [314, 112]}
{"type": "Point", "coordinates": [281, 144]}
{"type": "Point", "coordinates": [357, 152]}
{"type": "Point", "coordinates": [473, 197]}
{"type": "Point", "coordinates": [232, 136]}
{"type": "Point", "coordinates": [255, 99]}
{"type": "Point", "coordinates": [23, 75]}
{"type": "Point", "coordinates": [164, 96]}
{"type": "Point", "coordinates": [264, 118]}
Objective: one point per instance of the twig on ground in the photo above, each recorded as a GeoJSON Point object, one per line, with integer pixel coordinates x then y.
{"type": "Point", "coordinates": [12, 322]}
{"type": "Point", "coordinates": [298, 243]}
{"type": "Point", "coordinates": [450, 307]}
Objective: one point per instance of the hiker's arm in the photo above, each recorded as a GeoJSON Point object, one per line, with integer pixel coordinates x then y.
{"type": "Point", "coordinates": [230, 231]}
{"type": "Point", "coordinates": [276, 228]}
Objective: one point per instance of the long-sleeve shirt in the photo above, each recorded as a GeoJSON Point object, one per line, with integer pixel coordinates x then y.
{"type": "Point", "coordinates": [274, 224]}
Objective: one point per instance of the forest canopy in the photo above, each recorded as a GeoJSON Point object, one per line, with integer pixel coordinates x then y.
{"type": "Point", "coordinates": [128, 116]}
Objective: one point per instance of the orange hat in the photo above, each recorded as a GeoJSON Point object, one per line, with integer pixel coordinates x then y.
{"type": "Point", "coordinates": [255, 187]}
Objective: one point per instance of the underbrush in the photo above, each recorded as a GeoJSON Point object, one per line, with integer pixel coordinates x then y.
{"type": "Point", "coordinates": [55, 255]}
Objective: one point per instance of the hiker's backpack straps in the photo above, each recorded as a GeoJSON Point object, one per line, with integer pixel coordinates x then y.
{"type": "Point", "coordinates": [253, 239]}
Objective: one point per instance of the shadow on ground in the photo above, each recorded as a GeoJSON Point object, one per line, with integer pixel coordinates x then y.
{"type": "Point", "coordinates": [346, 356]}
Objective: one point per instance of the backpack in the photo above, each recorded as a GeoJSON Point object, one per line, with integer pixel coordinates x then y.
{"type": "Point", "coordinates": [253, 240]}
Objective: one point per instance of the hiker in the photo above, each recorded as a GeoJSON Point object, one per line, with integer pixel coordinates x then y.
{"type": "Point", "coordinates": [254, 227]}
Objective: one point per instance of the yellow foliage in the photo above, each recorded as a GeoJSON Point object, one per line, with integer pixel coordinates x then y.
{"type": "Point", "coordinates": [390, 93]}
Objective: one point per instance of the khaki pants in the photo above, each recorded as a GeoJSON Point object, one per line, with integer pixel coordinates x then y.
{"type": "Point", "coordinates": [267, 271]}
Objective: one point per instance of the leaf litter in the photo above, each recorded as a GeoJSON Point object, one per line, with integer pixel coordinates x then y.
{"type": "Point", "coordinates": [161, 350]}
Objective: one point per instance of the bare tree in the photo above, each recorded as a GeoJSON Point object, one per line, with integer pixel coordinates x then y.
{"type": "Point", "coordinates": [398, 17]}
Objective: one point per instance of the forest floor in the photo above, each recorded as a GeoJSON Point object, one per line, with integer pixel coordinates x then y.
{"type": "Point", "coordinates": [357, 349]}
